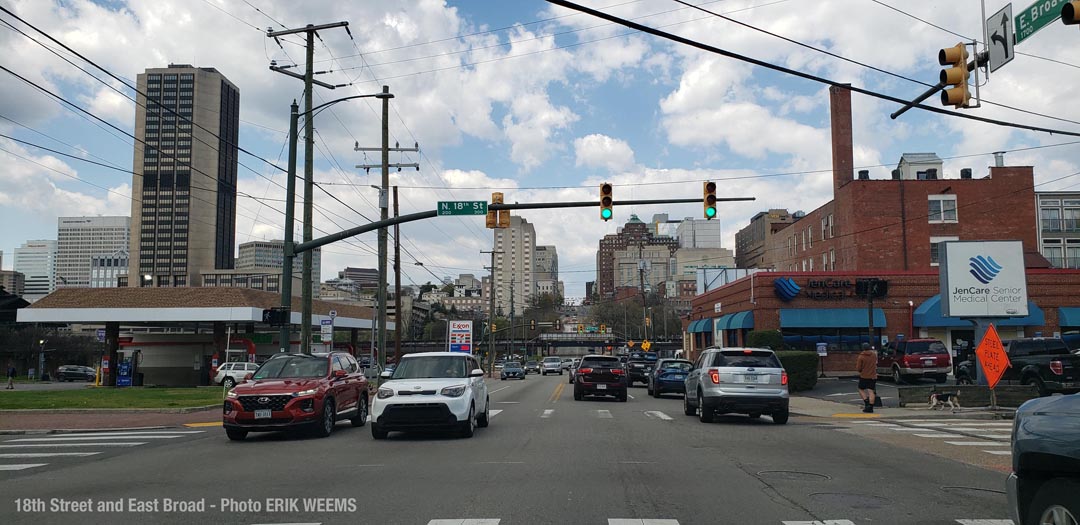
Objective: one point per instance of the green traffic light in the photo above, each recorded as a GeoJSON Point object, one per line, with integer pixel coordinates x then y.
{"type": "Point", "coordinates": [605, 214]}
{"type": "Point", "coordinates": [710, 212]}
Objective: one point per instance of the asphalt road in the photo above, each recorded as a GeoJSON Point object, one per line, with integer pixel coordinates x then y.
{"type": "Point", "coordinates": [545, 459]}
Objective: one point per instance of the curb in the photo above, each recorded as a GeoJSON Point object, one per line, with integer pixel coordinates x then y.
{"type": "Point", "coordinates": [74, 430]}
{"type": "Point", "coordinates": [47, 411]}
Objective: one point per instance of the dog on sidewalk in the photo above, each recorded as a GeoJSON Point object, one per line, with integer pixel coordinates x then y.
{"type": "Point", "coordinates": [938, 400]}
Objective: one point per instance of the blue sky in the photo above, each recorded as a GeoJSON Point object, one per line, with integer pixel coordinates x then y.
{"type": "Point", "coordinates": [525, 98]}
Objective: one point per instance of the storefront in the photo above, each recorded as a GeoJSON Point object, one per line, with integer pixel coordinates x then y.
{"type": "Point", "coordinates": [809, 308]}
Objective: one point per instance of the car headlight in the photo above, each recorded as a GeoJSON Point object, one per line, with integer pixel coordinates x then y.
{"type": "Point", "coordinates": [453, 391]}
{"type": "Point", "coordinates": [230, 393]}
{"type": "Point", "coordinates": [308, 392]}
{"type": "Point", "coordinates": [385, 393]}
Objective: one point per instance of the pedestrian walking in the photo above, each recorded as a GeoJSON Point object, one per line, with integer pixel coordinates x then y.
{"type": "Point", "coordinates": [10, 376]}
{"type": "Point", "coordinates": [866, 364]}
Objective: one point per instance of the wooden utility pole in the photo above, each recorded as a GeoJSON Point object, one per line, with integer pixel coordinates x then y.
{"type": "Point", "coordinates": [397, 283]}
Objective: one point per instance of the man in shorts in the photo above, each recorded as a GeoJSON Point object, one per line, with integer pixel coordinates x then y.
{"type": "Point", "coordinates": [866, 364]}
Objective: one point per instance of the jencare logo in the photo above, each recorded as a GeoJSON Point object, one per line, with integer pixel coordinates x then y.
{"type": "Point", "coordinates": [984, 268]}
{"type": "Point", "coordinates": [786, 288]}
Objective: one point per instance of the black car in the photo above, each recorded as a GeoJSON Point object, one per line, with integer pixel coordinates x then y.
{"type": "Point", "coordinates": [532, 367]}
{"type": "Point", "coordinates": [669, 375]}
{"type": "Point", "coordinates": [1045, 362]}
{"type": "Point", "coordinates": [1044, 486]}
{"type": "Point", "coordinates": [638, 366]}
{"type": "Point", "coordinates": [75, 373]}
{"type": "Point", "coordinates": [600, 375]}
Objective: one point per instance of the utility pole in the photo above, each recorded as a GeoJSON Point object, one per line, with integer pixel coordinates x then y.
{"type": "Point", "coordinates": [644, 298]}
{"type": "Point", "coordinates": [284, 334]}
{"type": "Point", "coordinates": [397, 283]}
{"type": "Point", "coordinates": [491, 305]}
{"type": "Point", "coordinates": [309, 153]}
{"type": "Point", "coordinates": [384, 212]}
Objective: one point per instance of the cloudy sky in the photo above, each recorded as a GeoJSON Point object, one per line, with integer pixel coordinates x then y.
{"type": "Point", "coordinates": [526, 98]}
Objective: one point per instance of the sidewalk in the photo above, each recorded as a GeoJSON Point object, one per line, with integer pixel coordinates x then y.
{"type": "Point", "coordinates": [808, 406]}
{"type": "Point", "coordinates": [40, 420]}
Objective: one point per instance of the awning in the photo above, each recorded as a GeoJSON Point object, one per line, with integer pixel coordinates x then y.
{"type": "Point", "coordinates": [1068, 316]}
{"type": "Point", "coordinates": [699, 326]}
{"type": "Point", "coordinates": [928, 315]}
{"type": "Point", "coordinates": [736, 321]}
{"type": "Point", "coordinates": [829, 318]}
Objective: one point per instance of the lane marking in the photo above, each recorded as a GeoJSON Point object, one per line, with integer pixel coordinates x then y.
{"type": "Point", "coordinates": [977, 443]}
{"type": "Point", "coordinates": [47, 454]}
{"type": "Point", "coordinates": [58, 445]}
{"type": "Point", "coordinates": [656, 414]}
{"type": "Point", "coordinates": [494, 412]}
{"type": "Point", "coordinates": [466, 521]}
{"type": "Point", "coordinates": [826, 522]}
{"type": "Point", "coordinates": [882, 425]}
{"type": "Point", "coordinates": [547, 413]}
{"type": "Point", "coordinates": [507, 402]}
{"type": "Point", "coordinates": [999, 452]}
{"type": "Point", "coordinates": [207, 424]}
{"type": "Point", "coordinates": [632, 521]}
{"type": "Point", "coordinates": [557, 393]}
{"type": "Point", "coordinates": [857, 416]}
{"type": "Point", "coordinates": [604, 414]}
{"type": "Point", "coordinates": [500, 463]}
{"type": "Point", "coordinates": [86, 438]}
{"type": "Point", "coordinates": [133, 434]}
{"type": "Point", "coordinates": [499, 389]}
{"type": "Point", "coordinates": [842, 394]}
{"type": "Point", "coordinates": [631, 396]}
{"type": "Point", "coordinates": [936, 435]}
{"type": "Point", "coordinates": [985, 522]}
{"type": "Point", "coordinates": [22, 466]}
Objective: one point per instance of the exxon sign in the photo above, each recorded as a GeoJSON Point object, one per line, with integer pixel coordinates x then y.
{"type": "Point", "coordinates": [983, 279]}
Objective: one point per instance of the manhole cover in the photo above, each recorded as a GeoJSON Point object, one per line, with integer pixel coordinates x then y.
{"type": "Point", "coordinates": [857, 501]}
{"type": "Point", "coordinates": [792, 475]}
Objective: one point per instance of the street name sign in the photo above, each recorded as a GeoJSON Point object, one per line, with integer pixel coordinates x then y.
{"type": "Point", "coordinates": [1037, 16]}
{"type": "Point", "coordinates": [1001, 44]}
{"type": "Point", "coordinates": [326, 330]}
{"type": "Point", "coordinates": [462, 208]}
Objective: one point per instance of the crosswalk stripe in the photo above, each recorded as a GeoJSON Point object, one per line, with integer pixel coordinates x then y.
{"type": "Point", "coordinates": [466, 521]}
{"type": "Point", "coordinates": [826, 522]}
{"type": "Point", "coordinates": [494, 412]}
{"type": "Point", "coordinates": [58, 445]}
{"type": "Point", "coordinates": [23, 466]}
{"type": "Point", "coordinates": [656, 414]}
{"type": "Point", "coordinates": [547, 413]}
{"type": "Point", "coordinates": [114, 434]}
{"type": "Point", "coordinates": [632, 521]}
{"type": "Point", "coordinates": [604, 414]}
{"type": "Point", "coordinates": [985, 522]}
{"type": "Point", "coordinates": [977, 443]}
{"type": "Point", "coordinates": [85, 438]}
{"type": "Point", "coordinates": [999, 452]}
{"type": "Point", "coordinates": [935, 435]}
{"type": "Point", "coordinates": [47, 454]}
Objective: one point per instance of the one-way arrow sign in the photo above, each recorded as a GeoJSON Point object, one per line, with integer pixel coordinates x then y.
{"type": "Point", "coordinates": [1001, 43]}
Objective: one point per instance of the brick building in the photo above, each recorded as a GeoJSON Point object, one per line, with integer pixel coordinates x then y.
{"type": "Point", "coordinates": [633, 234]}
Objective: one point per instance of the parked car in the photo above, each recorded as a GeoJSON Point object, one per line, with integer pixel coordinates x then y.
{"type": "Point", "coordinates": [909, 359]}
{"type": "Point", "coordinates": [298, 391]}
{"type": "Point", "coordinates": [499, 364]}
{"type": "Point", "coordinates": [567, 364]}
{"type": "Point", "coordinates": [75, 373]}
{"type": "Point", "coordinates": [551, 365]}
{"type": "Point", "coordinates": [229, 374]}
{"type": "Point", "coordinates": [638, 366]}
{"type": "Point", "coordinates": [1045, 362]}
{"type": "Point", "coordinates": [669, 375]}
{"type": "Point", "coordinates": [1044, 486]}
{"type": "Point", "coordinates": [512, 370]}
{"type": "Point", "coordinates": [737, 380]}
{"type": "Point", "coordinates": [532, 367]}
{"type": "Point", "coordinates": [600, 375]}
{"type": "Point", "coordinates": [431, 390]}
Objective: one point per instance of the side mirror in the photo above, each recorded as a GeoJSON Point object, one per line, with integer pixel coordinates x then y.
{"type": "Point", "coordinates": [476, 372]}
{"type": "Point", "coordinates": [386, 374]}
{"type": "Point", "coordinates": [338, 374]}
{"type": "Point", "coordinates": [247, 377]}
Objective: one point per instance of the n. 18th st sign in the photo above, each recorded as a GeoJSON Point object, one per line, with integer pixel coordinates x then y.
{"type": "Point", "coordinates": [462, 208]}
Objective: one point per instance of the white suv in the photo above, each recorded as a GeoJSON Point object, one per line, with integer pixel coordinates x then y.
{"type": "Point", "coordinates": [230, 374]}
{"type": "Point", "coordinates": [431, 390]}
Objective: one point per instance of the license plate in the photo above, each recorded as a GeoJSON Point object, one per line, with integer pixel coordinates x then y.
{"type": "Point", "coordinates": [679, 377]}
{"type": "Point", "coordinates": [601, 387]}
{"type": "Point", "coordinates": [748, 378]}
{"type": "Point", "coordinates": [262, 414]}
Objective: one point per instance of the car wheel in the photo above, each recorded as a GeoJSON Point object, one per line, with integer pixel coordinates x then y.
{"type": "Point", "coordinates": [236, 434]}
{"type": "Point", "coordinates": [468, 427]}
{"type": "Point", "coordinates": [570, 379]}
{"type": "Point", "coordinates": [941, 378]}
{"type": "Point", "coordinates": [361, 411]}
{"type": "Point", "coordinates": [378, 433]}
{"type": "Point", "coordinates": [687, 408]}
{"type": "Point", "coordinates": [780, 418]}
{"type": "Point", "coordinates": [622, 397]}
{"type": "Point", "coordinates": [577, 395]}
{"type": "Point", "coordinates": [704, 415]}
{"type": "Point", "coordinates": [503, 378]}
{"type": "Point", "coordinates": [485, 418]}
{"type": "Point", "coordinates": [1055, 503]}
{"type": "Point", "coordinates": [560, 372]}
{"type": "Point", "coordinates": [329, 418]}
{"type": "Point", "coordinates": [897, 377]}
{"type": "Point", "coordinates": [754, 415]}
{"type": "Point", "coordinates": [228, 382]}
{"type": "Point", "coordinates": [648, 389]}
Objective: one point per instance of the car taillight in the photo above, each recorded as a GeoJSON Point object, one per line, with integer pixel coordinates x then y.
{"type": "Point", "coordinates": [783, 378]}
{"type": "Point", "coordinates": [715, 376]}
{"type": "Point", "coordinates": [584, 371]}
{"type": "Point", "coordinates": [1057, 368]}
{"type": "Point", "coordinates": [617, 371]}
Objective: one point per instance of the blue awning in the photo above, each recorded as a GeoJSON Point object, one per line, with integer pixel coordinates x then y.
{"type": "Point", "coordinates": [1068, 316]}
{"type": "Point", "coordinates": [928, 315]}
{"type": "Point", "coordinates": [700, 326]}
{"type": "Point", "coordinates": [735, 321]}
{"type": "Point", "coordinates": [829, 318]}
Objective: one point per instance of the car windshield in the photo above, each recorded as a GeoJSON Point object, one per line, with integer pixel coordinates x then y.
{"type": "Point", "coordinates": [747, 359]}
{"type": "Point", "coordinates": [926, 347]}
{"type": "Point", "coordinates": [294, 366]}
{"type": "Point", "coordinates": [431, 366]}
{"type": "Point", "coordinates": [513, 364]}
{"type": "Point", "coordinates": [677, 365]}
{"type": "Point", "coordinates": [552, 360]}
{"type": "Point", "coordinates": [600, 362]}
{"type": "Point", "coordinates": [643, 356]}
{"type": "Point", "coordinates": [531, 363]}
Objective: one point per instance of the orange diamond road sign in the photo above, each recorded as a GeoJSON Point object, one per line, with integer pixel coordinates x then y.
{"type": "Point", "coordinates": [992, 357]}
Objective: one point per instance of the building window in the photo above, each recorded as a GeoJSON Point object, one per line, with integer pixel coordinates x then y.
{"type": "Point", "coordinates": [830, 225]}
{"type": "Point", "coordinates": [810, 236]}
{"type": "Point", "coordinates": [942, 208]}
{"type": "Point", "coordinates": [824, 262]}
{"type": "Point", "coordinates": [1050, 219]}
{"type": "Point", "coordinates": [935, 248]}
{"type": "Point", "coordinates": [811, 261]}
{"type": "Point", "coordinates": [832, 258]}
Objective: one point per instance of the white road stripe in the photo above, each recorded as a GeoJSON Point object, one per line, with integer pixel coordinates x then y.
{"type": "Point", "coordinates": [547, 413]}
{"type": "Point", "coordinates": [826, 522]}
{"type": "Point", "coordinates": [884, 425]}
{"type": "Point", "coordinates": [631, 396]}
{"type": "Point", "coordinates": [499, 389]}
{"type": "Point", "coordinates": [47, 454]}
{"type": "Point", "coordinates": [907, 429]}
{"type": "Point", "coordinates": [842, 394]}
{"type": "Point", "coordinates": [631, 521]}
{"type": "Point", "coordinates": [656, 414]}
{"type": "Point", "coordinates": [319, 523]}
{"type": "Point", "coordinates": [23, 466]}
{"type": "Point", "coordinates": [494, 412]}
{"type": "Point", "coordinates": [58, 445]}
{"type": "Point", "coordinates": [86, 438]}
{"type": "Point", "coordinates": [985, 522]}
{"type": "Point", "coordinates": [466, 521]}
{"type": "Point", "coordinates": [604, 414]}
{"type": "Point", "coordinates": [508, 402]}
{"type": "Point", "coordinates": [136, 434]}
{"type": "Point", "coordinates": [935, 435]}
{"type": "Point", "coordinates": [977, 443]}
{"type": "Point", "coordinates": [999, 452]}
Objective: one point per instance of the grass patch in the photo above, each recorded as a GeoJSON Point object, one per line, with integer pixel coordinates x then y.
{"type": "Point", "coordinates": [130, 397]}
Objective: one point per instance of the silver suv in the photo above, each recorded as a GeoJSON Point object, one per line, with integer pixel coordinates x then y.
{"type": "Point", "coordinates": [551, 365]}
{"type": "Point", "coordinates": [737, 380]}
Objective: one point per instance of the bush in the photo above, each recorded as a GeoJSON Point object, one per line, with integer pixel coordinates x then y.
{"type": "Point", "coordinates": [766, 339]}
{"type": "Point", "coordinates": [802, 369]}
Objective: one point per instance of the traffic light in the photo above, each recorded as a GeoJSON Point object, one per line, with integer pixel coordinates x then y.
{"type": "Point", "coordinates": [1070, 13]}
{"type": "Point", "coordinates": [532, 324]}
{"type": "Point", "coordinates": [558, 325]}
{"type": "Point", "coordinates": [956, 75]}
{"type": "Point", "coordinates": [709, 199]}
{"type": "Point", "coordinates": [493, 328]}
{"type": "Point", "coordinates": [492, 215]}
{"type": "Point", "coordinates": [606, 212]}
{"type": "Point", "coordinates": [603, 328]}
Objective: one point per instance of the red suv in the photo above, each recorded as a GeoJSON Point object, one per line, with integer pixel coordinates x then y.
{"type": "Point", "coordinates": [909, 359]}
{"type": "Point", "coordinates": [298, 391]}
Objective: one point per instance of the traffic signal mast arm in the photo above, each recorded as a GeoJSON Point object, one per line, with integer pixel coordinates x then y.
{"type": "Point", "coordinates": [980, 60]}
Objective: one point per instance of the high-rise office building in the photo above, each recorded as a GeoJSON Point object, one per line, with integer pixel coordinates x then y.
{"type": "Point", "coordinates": [183, 216]}
{"type": "Point", "coordinates": [514, 266]}
{"type": "Point", "coordinates": [36, 260]}
{"type": "Point", "coordinates": [270, 255]}
{"type": "Point", "coordinates": [79, 239]}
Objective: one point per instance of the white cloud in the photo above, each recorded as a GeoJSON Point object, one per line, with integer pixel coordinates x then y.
{"type": "Point", "coordinates": [601, 151]}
